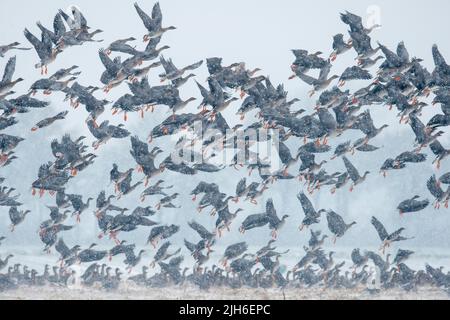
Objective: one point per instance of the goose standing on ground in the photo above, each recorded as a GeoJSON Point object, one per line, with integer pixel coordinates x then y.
{"type": "Point", "coordinates": [4, 263]}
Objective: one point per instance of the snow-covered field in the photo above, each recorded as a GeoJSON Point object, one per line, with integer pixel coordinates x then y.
{"type": "Point", "coordinates": [131, 292]}
{"type": "Point", "coordinates": [35, 258]}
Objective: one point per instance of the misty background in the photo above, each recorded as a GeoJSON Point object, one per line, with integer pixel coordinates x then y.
{"type": "Point", "coordinates": [260, 33]}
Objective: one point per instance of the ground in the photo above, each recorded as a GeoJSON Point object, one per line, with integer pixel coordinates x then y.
{"type": "Point", "coordinates": [190, 293]}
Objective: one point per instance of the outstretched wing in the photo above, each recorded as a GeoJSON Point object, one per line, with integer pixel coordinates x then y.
{"type": "Point", "coordinates": [194, 65]}
{"type": "Point", "coordinates": [418, 127]}
{"type": "Point", "coordinates": [107, 62]}
{"type": "Point", "coordinates": [157, 16]}
{"type": "Point", "coordinates": [139, 147]}
{"type": "Point", "coordinates": [101, 200]}
{"type": "Point", "coordinates": [201, 230]}
{"type": "Point", "coordinates": [62, 248]}
{"type": "Point", "coordinates": [167, 65]}
{"type": "Point", "coordinates": [148, 22]}
{"type": "Point", "coordinates": [59, 26]}
{"type": "Point", "coordinates": [325, 71]}
{"type": "Point", "coordinates": [189, 245]}
{"type": "Point", "coordinates": [437, 148]}
{"type": "Point", "coordinates": [306, 204]}
{"type": "Point", "coordinates": [381, 230]}
{"type": "Point", "coordinates": [9, 70]}
{"type": "Point", "coordinates": [439, 60]}
{"type": "Point", "coordinates": [352, 172]}
{"type": "Point", "coordinates": [402, 52]}
{"type": "Point", "coordinates": [272, 213]}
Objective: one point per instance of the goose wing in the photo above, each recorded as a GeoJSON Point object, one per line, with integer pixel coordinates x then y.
{"type": "Point", "coordinates": [381, 230]}
{"type": "Point", "coordinates": [306, 204]}
{"type": "Point", "coordinates": [9, 70]}
{"type": "Point", "coordinates": [352, 172]}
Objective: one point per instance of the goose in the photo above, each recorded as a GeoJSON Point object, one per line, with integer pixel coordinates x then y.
{"type": "Point", "coordinates": [339, 46]}
{"type": "Point", "coordinates": [254, 221]}
{"type": "Point", "coordinates": [385, 236]}
{"type": "Point", "coordinates": [275, 223]}
{"type": "Point", "coordinates": [7, 83]}
{"type": "Point", "coordinates": [17, 217]}
{"type": "Point", "coordinates": [311, 215]}
{"type": "Point", "coordinates": [161, 232]}
{"type": "Point", "coordinates": [173, 73]}
{"type": "Point", "coordinates": [91, 255]}
{"type": "Point", "coordinates": [4, 263]}
{"type": "Point", "coordinates": [153, 24]}
{"type": "Point", "coordinates": [49, 121]}
{"type": "Point", "coordinates": [354, 73]}
{"type": "Point", "coordinates": [44, 48]}
{"type": "Point", "coordinates": [320, 83]}
{"type": "Point", "coordinates": [163, 254]}
{"type": "Point", "coordinates": [337, 225]}
{"type": "Point", "coordinates": [233, 251]}
{"type": "Point", "coordinates": [12, 46]}
{"type": "Point", "coordinates": [368, 62]}
{"type": "Point", "coordinates": [78, 205]}
{"type": "Point", "coordinates": [132, 260]}
{"type": "Point", "coordinates": [402, 256]}
{"type": "Point", "coordinates": [353, 173]}
{"type": "Point", "coordinates": [412, 205]}
{"type": "Point", "coordinates": [440, 152]}
{"type": "Point", "coordinates": [440, 196]}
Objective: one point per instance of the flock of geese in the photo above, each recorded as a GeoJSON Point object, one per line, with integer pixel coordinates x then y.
{"type": "Point", "coordinates": [400, 82]}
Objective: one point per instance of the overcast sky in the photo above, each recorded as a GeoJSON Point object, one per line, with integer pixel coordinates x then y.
{"type": "Point", "coordinates": [261, 33]}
